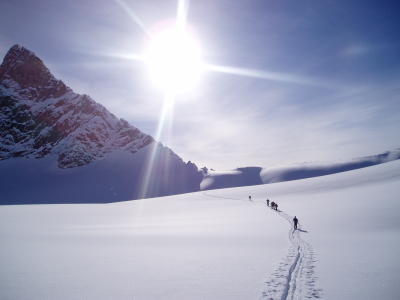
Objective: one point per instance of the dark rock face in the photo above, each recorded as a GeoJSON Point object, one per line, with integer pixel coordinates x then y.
{"type": "Point", "coordinates": [34, 80]}
{"type": "Point", "coordinates": [41, 116]}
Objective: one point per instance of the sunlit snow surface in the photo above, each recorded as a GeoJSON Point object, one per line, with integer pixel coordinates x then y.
{"type": "Point", "coordinates": [214, 244]}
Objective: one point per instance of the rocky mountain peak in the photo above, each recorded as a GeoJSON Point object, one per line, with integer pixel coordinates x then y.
{"type": "Point", "coordinates": [40, 116]}
{"type": "Point", "coordinates": [23, 70]}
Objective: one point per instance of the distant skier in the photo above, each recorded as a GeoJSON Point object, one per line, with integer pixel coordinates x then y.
{"type": "Point", "coordinates": [249, 198]}
{"type": "Point", "coordinates": [267, 202]}
{"type": "Point", "coordinates": [272, 204]}
{"type": "Point", "coordinates": [276, 206]}
{"type": "Point", "coordinates": [295, 221]}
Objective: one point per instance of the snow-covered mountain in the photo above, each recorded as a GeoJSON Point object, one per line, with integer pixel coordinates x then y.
{"type": "Point", "coordinates": [41, 117]}
{"type": "Point", "coordinates": [89, 155]}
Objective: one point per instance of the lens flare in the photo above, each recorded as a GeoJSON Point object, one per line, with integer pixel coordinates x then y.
{"type": "Point", "coordinates": [173, 57]}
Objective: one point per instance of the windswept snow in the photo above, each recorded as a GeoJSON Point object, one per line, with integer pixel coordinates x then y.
{"type": "Point", "coordinates": [213, 245]}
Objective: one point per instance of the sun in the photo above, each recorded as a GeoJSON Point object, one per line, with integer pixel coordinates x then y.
{"type": "Point", "coordinates": [173, 58]}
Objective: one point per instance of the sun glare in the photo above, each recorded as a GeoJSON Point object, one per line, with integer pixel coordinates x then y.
{"type": "Point", "coordinates": [173, 58]}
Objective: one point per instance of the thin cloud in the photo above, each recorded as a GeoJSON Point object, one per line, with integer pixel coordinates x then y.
{"type": "Point", "coordinates": [356, 50]}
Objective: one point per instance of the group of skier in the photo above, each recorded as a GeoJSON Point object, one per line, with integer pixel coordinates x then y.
{"type": "Point", "coordinates": [274, 206]}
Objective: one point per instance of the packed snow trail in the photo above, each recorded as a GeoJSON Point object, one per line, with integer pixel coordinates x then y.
{"type": "Point", "coordinates": [294, 279]}
{"type": "Point", "coordinates": [222, 197]}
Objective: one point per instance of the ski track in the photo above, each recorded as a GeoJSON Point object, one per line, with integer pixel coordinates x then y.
{"type": "Point", "coordinates": [222, 197]}
{"type": "Point", "coordinates": [294, 279]}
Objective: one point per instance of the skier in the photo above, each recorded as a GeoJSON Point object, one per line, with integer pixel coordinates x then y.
{"type": "Point", "coordinates": [272, 204]}
{"type": "Point", "coordinates": [295, 221]}
{"type": "Point", "coordinates": [249, 198]}
{"type": "Point", "coordinates": [267, 202]}
{"type": "Point", "coordinates": [276, 206]}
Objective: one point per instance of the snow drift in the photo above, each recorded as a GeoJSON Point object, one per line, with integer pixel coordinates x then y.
{"type": "Point", "coordinates": [258, 175]}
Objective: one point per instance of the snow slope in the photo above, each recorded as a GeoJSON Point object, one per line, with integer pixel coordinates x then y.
{"type": "Point", "coordinates": [257, 175]}
{"type": "Point", "coordinates": [119, 176]}
{"type": "Point", "coordinates": [214, 244]}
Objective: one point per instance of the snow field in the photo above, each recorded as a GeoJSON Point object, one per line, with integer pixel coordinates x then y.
{"type": "Point", "coordinates": [213, 245]}
{"type": "Point", "coordinates": [352, 225]}
{"type": "Point", "coordinates": [183, 247]}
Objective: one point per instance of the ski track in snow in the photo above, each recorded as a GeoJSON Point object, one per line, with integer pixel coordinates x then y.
{"type": "Point", "coordinates": [294, 279]}
{"type": "Point", "coordinates": [222, 197]}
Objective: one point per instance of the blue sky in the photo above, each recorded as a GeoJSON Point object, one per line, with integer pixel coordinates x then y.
{"type": "Point", "coordinates": [343, 99]}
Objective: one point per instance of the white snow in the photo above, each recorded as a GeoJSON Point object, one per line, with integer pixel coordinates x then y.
{"type": "Point", "coordinates": [214, 244]}
{"type": "Point", "coordinates": [117, 177]}
{"type": "Point", "coordinates": [256, 175]}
